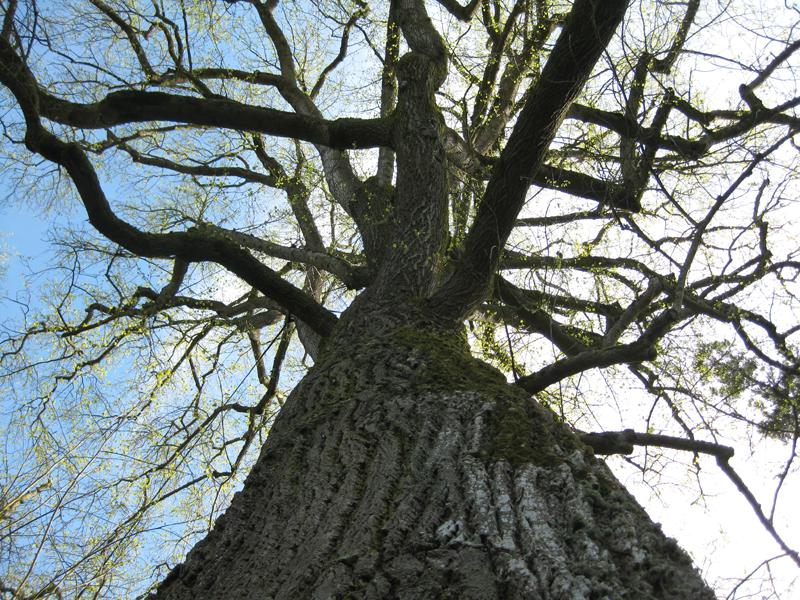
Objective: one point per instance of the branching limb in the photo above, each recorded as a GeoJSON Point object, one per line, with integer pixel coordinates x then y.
{"type": "Point", "coordinates": [767, 71]}
{"type": "Point", "coordinates": [131, 106]}
{"type": "Point", "coordinates": [196, 170]}
{"type": "Point", "coordinates": [130, 34]}
{"type": "Point", "coordinates": [365, 204]}
{"type": "Point", "coordinates": [628, 128]}
{"type": "Point", "coordinates": [297, 193]}
{"type": "Point", "coordinates": [590, 359]}
{"type": "Point", "coordinates": [488, 124]}
{"type": "Point", "coordinates": [362, 9]}
{"type": "Point", "coordinates": [642, 349]}
{"type": "Point", "coordinates": [721, 199]}
{"type": "Point", "coordinates": [664, 65]}
{"type": "Point", "coordinates": [521, 308]}
{"type": "Point", "coordinates": [385, 167]}
{"type": "Point", "coordinates": [418, 30]}
{"type": "Point", "coordinates": [634, 310]}
{"type": "Point", "coordinates": [189, 246]}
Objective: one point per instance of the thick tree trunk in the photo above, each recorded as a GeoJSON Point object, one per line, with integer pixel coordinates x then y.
{"type": "Point", "coordinates": [401, 467]}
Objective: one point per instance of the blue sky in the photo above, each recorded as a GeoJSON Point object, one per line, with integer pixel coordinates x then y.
{"type": "Point", "coordinates": [23, 234]}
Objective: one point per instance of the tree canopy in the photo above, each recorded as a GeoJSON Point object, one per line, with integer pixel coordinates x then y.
{"type": "Point", "coordinates": [603, 191]}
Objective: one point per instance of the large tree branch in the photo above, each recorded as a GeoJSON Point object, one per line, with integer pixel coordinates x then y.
{"type": "Point", "coordinates": [489, 125]}
{"type": "Point", "coordinates": [132, 106]}
{"type": "Point", "coordinates": [582, 185]}
{"type": "Point", "coordinates": [664, 65]}
{"type": "Point", "coordinates": [516, 311]}
{"type": "Point", "coordinates": [385, 167]}
{"type": "Point", "coordinates": [223, 73]}
{"type": "Point", "coordinates": [622, 442]}
{"type": "Point", "coordinates": [131, 34]}
{"type": "Point", "coordinates": [741, 123]}
{"type": "Point", "coordinates": [297, 193]}
{"type": "Point", "coordinates": [418, 30]}
{"type": "Point", "coordinates": [484, 134]}
{"type": "Point", "coordinates": [583, 39]}
{"type": "Point", "coordinates": [417, 227]}
{"type": "Point", "coordinates": [584, 361]}
{"type": "Point", "coordinates": [362, 9]}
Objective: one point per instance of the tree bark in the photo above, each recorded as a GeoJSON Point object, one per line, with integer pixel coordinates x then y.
{"type": "Point", "coordinates": [401, 467]}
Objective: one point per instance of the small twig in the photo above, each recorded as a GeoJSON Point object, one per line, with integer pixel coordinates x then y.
{"type": "Point", "coordinates": [511, 353]}
{"type": "Point", "coordinates": [721, 199]}
{"type": "Point", "coordinates": [763, 563]}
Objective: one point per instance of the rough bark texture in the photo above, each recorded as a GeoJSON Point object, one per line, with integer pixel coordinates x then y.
{"type": "Point", "coordinates": [401, 467]}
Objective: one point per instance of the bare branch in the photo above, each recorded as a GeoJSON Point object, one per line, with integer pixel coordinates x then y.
{"type": "Point", "coordinates": [622, 442]}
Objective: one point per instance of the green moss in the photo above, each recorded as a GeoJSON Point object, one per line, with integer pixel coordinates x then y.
{"type": "Point", "coordinates": [446, 363]}
{"type": "Point", "coordinates": [517, 430]}
{"type": "Point", "coordinates": [426, 359]}
{"type": "Point", "coordinates": [520, 433]}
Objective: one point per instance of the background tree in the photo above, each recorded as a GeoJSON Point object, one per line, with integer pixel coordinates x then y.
{"type": "Point", "coordinates": [374, 188]}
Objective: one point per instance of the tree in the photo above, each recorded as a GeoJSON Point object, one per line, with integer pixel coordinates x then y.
{"type": "Point", "coordinates": [544, 185]}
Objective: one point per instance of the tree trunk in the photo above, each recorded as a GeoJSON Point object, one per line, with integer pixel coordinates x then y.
{"type": "Point", "coordinates": [401, 467]}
